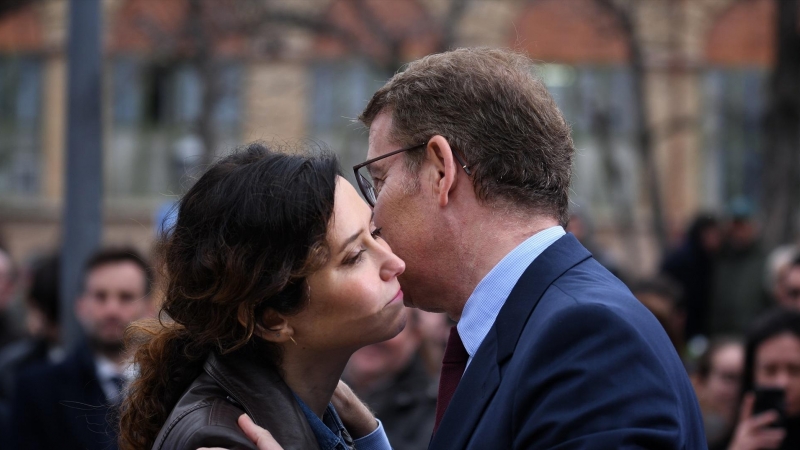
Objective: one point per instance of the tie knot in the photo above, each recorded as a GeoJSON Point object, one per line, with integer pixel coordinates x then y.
{"type": "Point", "coordinates": [455, 353]}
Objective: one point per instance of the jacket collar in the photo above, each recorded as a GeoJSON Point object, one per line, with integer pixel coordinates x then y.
{"type": "Point", "coordinates": [484, 374]}
{"type": "Point", "coordinates": [262, 393]}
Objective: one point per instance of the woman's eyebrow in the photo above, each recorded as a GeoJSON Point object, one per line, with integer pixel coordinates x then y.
{"type": "Point", "coordinates": [349, 240]}
{"type": "Point", "coordinates": [355, 236]}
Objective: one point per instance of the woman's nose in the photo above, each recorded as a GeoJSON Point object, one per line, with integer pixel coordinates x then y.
{"type": "Point", "coordinates": [392, 267]}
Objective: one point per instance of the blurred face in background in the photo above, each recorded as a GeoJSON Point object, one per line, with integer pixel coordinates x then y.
{"type": "Point", "coordinates": [380, 362]}
{"type": "Point", "coordinates": [114, 296]}
{"type": "Point", "coordinates": [721, 389]}
{"type": "Point", "coordinates": [777, 364]}
{"type": "Point", "coordinates": [742, 233]}
{"type": "Point", "coordinates": [788, 290]}
{"type": "Point", "coordinates": [6, 280]}
{"type": "Point", "coordinates": [711, 239]}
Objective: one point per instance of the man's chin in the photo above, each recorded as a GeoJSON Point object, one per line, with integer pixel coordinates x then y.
{"type": "Point", "coordinates": [107, 345]}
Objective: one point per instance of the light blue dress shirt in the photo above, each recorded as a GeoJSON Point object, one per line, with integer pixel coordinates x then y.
{"type": "Point", "coordinates": [328, 431]}
{"type": "Point", "coordinates": [490, 294]}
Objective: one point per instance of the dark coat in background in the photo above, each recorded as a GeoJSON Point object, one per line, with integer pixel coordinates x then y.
{"type": "Point", "coordinates": [63, 407]}
{"type": "Point", "coordinates": [407, 407]}
{"type": "Point", "coordinates": [692, 268]}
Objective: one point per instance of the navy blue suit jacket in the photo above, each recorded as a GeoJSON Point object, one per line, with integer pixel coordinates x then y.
{"type": "Point", "coordinates": [62, 406]}
{"type": "Point", "coordinates": [573, 361]}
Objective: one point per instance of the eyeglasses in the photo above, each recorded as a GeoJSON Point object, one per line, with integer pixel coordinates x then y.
{"type": "Point", "coordinates": [364, 179]}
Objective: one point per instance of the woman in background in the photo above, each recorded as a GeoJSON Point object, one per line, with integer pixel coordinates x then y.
{"type": "Point", "coordinates": [274, 275]}
{"type": "Point", "coordinates": [772, 360]}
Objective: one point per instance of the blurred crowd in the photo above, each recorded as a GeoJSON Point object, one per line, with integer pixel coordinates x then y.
{"type": "Point", "coordinates": [730, 306]}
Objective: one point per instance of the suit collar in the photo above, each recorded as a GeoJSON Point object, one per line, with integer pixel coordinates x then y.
{"type": "Point", "coordinates": [554, 262]}
{"type": "Point", "coordinates": [484, 374]}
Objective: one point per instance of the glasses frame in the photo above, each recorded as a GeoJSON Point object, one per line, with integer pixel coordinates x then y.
{"type": "Point", "coordinates": [365, 186]}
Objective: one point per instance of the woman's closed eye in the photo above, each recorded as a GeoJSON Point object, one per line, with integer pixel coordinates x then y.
{"type": "Point", "coordinates": [376, 234]}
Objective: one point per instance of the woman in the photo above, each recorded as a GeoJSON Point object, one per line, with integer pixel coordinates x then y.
{"type": "Point", "coordinates": [772, 360]}
{"type": "Point", "coordinates": [274, 276]}
{"type": "Point", "coordinates": [718, 380]}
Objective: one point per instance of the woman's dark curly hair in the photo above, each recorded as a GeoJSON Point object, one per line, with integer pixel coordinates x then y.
{"type": "Point", "coordinates": [247, 234]}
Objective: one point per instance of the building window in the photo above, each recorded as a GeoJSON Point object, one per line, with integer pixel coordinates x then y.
{"type": "Point", "coordinates": [20, 123]}
{"type": "Point", "coordinates": [156, 143]}
{"type": "Point", "coordinates": [341, 90]}
{"type": "Point", "coordinates": [734, 102]}
{"type": "Point", "coordinates": [598, 103]}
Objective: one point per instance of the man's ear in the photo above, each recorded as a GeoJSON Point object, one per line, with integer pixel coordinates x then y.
{"type": "Point", "coordinates": [271, 326]}
{"type": "Point", "coordinates": [440, 155]}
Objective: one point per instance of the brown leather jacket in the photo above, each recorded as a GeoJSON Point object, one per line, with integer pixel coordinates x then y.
{"type": "Point", "coordinates": [230, 385]}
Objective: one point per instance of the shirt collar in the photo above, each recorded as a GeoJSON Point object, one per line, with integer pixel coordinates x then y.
{"type": "Point", "coordinates": [491, 293]}
{"type": "Point", "coordinates": [329, 431]}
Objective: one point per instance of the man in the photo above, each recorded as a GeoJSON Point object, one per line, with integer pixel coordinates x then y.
{"type": "Point", "coordinates": [738, 292]}
{"type": "Point", "coordinates": [71, 405]}
{"type": "Point", "coordinates": [788, 286]}
{"type": "Point", "coordinates": [391, 378]}
{"type": "Point", "coordinates": [692, 266]}
{"type": "Point", "coordinates": [41, 345]}
{"type": "Point", "coordinates": [470, 165]}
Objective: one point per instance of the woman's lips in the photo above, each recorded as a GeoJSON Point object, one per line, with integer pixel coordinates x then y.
{"type": "Point", "coordinates": [397, 298]}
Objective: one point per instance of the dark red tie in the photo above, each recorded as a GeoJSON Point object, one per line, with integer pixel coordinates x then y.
{"type": "Point", "coordinates": [453, 365]}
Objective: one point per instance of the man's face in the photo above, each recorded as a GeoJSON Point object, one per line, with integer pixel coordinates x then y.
{"type": "Point", "coordinates": [407, 212]}
{"type": "Point", "coordinates": [114, 297]}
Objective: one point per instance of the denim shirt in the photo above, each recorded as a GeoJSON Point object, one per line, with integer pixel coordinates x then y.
{"type": "Point", "coordinates": [332, 435]}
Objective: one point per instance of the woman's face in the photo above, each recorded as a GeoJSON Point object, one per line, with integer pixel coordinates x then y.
{"type": "Point", "coordinates": [355, 299]}
{"type": "Point", "coordinates": [777, 364]}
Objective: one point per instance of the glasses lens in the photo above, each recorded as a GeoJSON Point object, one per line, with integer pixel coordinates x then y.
{"type": "Point", "coordinates": [365, 184]}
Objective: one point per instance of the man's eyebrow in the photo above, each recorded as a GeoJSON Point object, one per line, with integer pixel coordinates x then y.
{"type": "Point", "coordinates": [375, 169]}
{"type": "Point", "coordinates": [355, 236]}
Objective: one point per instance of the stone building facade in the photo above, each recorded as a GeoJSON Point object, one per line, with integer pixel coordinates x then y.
{"type": "Point", "coordinates": [705, 65]}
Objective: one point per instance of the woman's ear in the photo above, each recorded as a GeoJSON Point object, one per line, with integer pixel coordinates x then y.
{"type": "Point", "coordinates": [270, 326]}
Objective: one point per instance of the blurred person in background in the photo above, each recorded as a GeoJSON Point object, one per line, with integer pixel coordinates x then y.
{"type": "Point", "coordinates": [787, 288]}
{"type": "Point", "coordinates": [41, 320]}
{"type": "Point", "coordinates": [8, 282]}
{"type": "Point", "coordinates": [778, 261]}
{"type": "Point", "coordinates": [738, 292]}
{"type": "Point", "coordinates": [391, 378]}
{"type": "Point", "coordinates": [70, 405]}
{"type": "Point", "coordinates": [718, 382]}
{"type": "Point", "coordinates": [692, 266]}
{"type": "Point", "coordinates": [660, 296]}
{"type": "Point", "coordinates": [434, 329]}
{"type": "Point", "coordinates": [772, 360]}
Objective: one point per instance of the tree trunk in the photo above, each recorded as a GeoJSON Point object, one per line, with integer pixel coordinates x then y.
{"type": "Point", "coordinates": [781, 163]}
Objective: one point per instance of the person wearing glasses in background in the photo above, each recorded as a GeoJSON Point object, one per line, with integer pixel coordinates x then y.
{"type": "Point", "coordinates": [468, 173]}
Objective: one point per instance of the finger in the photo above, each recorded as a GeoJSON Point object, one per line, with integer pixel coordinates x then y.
{"type": "Point", "coordinates": [763, 420]}
{"type": "Point", "coordinates": [769, 439]}
{"type": "Point", "coordinates": [261, 437]}
{"type": "Point", "coordinates": [747, 407]}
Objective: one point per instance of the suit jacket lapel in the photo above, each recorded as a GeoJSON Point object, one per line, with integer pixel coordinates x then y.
{"type": "Point", "coordinates": [484, 373]}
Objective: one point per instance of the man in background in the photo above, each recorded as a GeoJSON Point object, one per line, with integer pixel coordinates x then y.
{"type": "Point", "coordinates": [70, 405]}
{"type": "Point", "coordinates": [738, 292]}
